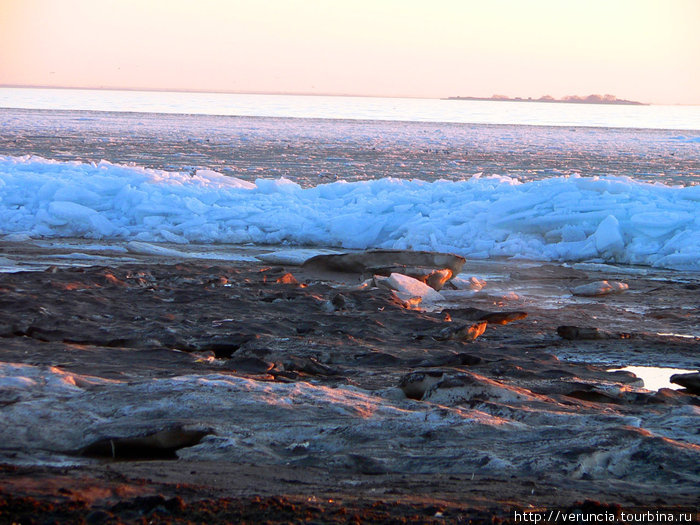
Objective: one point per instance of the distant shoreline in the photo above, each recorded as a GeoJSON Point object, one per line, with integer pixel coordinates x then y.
{"type": "Point", "coordinates": [596, 99]}
{"type": "Point", "coordinates": [590, 99]}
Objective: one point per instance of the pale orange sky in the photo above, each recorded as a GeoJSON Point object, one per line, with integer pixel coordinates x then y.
{"type": "Point", "coordinates": [647, 50]}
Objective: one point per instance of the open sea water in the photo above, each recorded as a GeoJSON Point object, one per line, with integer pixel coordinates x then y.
{"type": "Point", "coordinates": [358, 108]}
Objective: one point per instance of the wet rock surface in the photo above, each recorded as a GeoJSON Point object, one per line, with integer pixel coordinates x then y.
{"type": "Point", "coordinates": [242, 377]}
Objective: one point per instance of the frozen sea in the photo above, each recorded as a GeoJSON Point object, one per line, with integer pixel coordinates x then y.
{"type": "Point", "coordinates": [560, 182]}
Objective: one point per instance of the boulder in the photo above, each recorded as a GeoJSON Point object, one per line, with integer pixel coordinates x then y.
{"type": "Point", "coordinates": [467, 332]}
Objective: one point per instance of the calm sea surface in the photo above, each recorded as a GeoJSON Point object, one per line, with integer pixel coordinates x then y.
{"type": "Point", "coordinates": [357, 108]}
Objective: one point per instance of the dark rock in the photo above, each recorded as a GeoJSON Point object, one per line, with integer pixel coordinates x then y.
{"type": "Point", "coordinates": [361, 262]}
{"type": "Point", "coordinates": [366, 465]}
{"type": "Point", "coordinates": [467, 332]}
{"type": "Point", "coordinates": [142, 504]}
{"type": "Point", "coordinates": [97, 517]}
{"type": "Point", "coordinates": [556, 373]}
{"type": "Point", "coordinates": [512, 370]}
{"type": "Point", "coordinates": [249, 365]}
{"type": "Point", "coordinates": [475, 314]}
{"type": "Point", "coordinates": [377, 359]}
{"type": "Point", "coordinates": [340, 302]}
{"type": "Point", "coordinates": [47, 334]}
{"type": "Point", "coordinates": [668, 396]}
{"type": "Point", "coordinates": [470, 314]}
{"type": "Point", "coordinates": [691, 382]}
{"type": "Point", "coordinates": [627, 377]}
{"type": "Point", "coordinates": [259, 351]}
{"type": "Point", "coordinates": [573, 333]}
{"type": "Point", "coordinates": [594, 396]}
{"type": "Point", "coordinates": [465, 359]}
{"type": "Point", "coordinates": [8, 330]}
{"type": "Point", "coordinates": [272, 297]}
{"type": "Point", "coordinates": [286, 376]}
{"type": "Point", "coordinates": [415, 384]}
{"type": "Point", "coordinates": [160, 444]}
{"type": "Point", "coordinates": [503, 317]}
{"type": "Point", "coordinates": [454, 359]}
{"type": "Point", "coordinates": [305, 328]}
{"type": "Point", "coordinates": [224, 346]}
{"type": "Point", "coordinates": [160, 509]}
{"type": "Point", "coordinates": [308, 365]}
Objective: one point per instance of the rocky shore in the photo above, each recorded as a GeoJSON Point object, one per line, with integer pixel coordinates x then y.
{"type": "Point", "coordinates": [409, 388]}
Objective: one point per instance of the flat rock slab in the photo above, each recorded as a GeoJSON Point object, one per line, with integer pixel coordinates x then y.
{"type": "Point", "coordinates": [361, 262]}
{"type": "Point", "coordinates": [689, 381]}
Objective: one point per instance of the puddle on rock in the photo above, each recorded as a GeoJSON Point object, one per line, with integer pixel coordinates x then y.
{"type": "Point", "coordinates": [655, 377]}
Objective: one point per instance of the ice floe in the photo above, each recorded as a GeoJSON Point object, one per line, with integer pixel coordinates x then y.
{"type": "Point", "coordinates": [598, 219]}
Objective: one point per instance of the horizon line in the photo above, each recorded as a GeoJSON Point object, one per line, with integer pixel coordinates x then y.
{"type": "Point", "coordinates": [288, 93]}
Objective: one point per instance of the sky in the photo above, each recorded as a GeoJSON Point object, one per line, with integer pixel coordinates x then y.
{"type": "Point", "coordinates": [645, 50]}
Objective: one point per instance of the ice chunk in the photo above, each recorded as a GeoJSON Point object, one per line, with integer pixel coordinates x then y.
{"type": "Point", "coordinates": [231, 182]}
{"type": "Point", "coordinates": [407, 288]}
{"type": "Point", "coordinates": [17, 237]}
{"type": "Point", "coordinates": [71, 211]}
{"type": "Point", "coordinates": [608, 238]}
{"type": "Point", "coordinates": [473, 283]}
{"type": "Point", "coordinates": [294, 257]}
{"type": "Point", "coordinates": [144, 248]}
{"type": "Point", "coordinates": [599, 288]}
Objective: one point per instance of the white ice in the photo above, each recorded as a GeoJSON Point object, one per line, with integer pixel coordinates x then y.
{"type": "Point", "coordinates": [599, 288]}
{"type": "Point", "coordinates": [598, 219]}
{"type": "Point", "coordinates": [408, 288]}
{"type": "Point", "coordinates": [291, 256]}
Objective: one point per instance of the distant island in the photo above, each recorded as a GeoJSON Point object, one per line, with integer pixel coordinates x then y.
{"type": "Point", "coordinates": [572, 99]}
